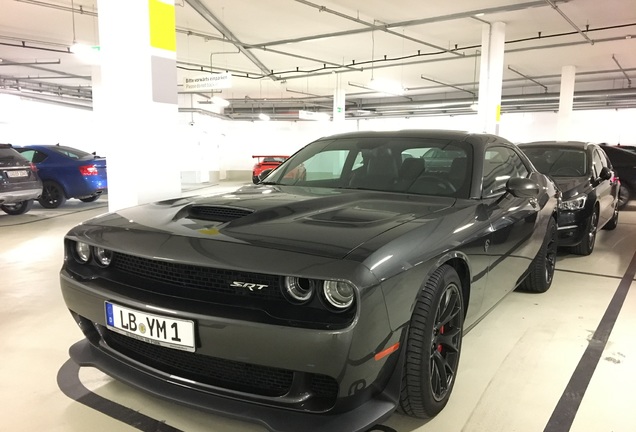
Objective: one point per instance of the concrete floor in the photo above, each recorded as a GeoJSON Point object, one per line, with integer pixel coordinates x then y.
{"type": "Point", "coordinates": [524, 368]}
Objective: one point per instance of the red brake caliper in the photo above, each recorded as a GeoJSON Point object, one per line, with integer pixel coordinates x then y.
{"type": "Point", "coordinates": [439, 346]}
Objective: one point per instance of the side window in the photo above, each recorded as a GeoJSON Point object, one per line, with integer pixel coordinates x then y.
{"type": "Point", "coordinates": [39, 157]}
{"type": "Point", "coordinates": [28, 155]}
{"type": "Point", "coordinates": [500, 165]}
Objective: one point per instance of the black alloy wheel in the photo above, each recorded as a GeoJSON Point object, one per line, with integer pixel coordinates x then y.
{"type": "Point", "coordinates": [433, 345]}
{"type": "Point", "coordinates": [52, 195]}
{"type": "Point", "coordinates": [539, 278]}
{"type": "Point", "coordinates": [587, 244]}
{"type": "Point", "coordinates": [613, 222]}
{"type": "Point", "coordinates": [17, 208]}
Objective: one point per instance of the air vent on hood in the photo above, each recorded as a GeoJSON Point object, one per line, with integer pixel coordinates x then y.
{"type": "Point", "coordinates": [218, 213]}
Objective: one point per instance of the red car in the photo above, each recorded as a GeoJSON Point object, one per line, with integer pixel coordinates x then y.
{"type": "Point", "coordinates": [266, 162]}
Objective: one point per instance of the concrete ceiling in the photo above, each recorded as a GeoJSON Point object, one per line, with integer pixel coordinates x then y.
{"type": "Point", "coordinates": [287, 55]}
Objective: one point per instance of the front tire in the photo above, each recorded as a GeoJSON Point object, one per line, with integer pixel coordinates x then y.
{"type": "Point", "coordinates": [52, 195]}
{"type": "Point", "coordinates": [17, 208]}
{"type": "Point", "coordinates": [433, 345]}
{"type": "Point", "coordinates": [613, 222]}
{"type": "Point", "coordinates": [542, 267]}
{"type": "Point", "coordinates": [587, 245]}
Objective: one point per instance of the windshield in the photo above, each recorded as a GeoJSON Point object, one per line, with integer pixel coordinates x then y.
{"type": "Point", "coordinates": [404, 165]}
{"type": "Point", "coordinates": [558, 161]}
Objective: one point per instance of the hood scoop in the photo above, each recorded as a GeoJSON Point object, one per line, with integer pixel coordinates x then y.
{"type": "Point", "coordinates": [217, 213]}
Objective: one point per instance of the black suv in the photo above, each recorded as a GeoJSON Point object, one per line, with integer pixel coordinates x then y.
{"type": "Point", "coordinates": [19, 182]}
{"type": "Point", "coordinates": [586, 178]}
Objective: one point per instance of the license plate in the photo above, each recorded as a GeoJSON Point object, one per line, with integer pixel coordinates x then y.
{"type": "Point", "coordinates": [18, 173]}
{"type": "Point", "coordinates": [151, 328]}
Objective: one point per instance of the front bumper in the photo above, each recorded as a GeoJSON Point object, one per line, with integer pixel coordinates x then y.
{"type": "Point", "coordinates": [572, 227]}
{"type": "Point", "coordinates": [367, 390]}
{"type": "Point", "coordinates": [275, 420]}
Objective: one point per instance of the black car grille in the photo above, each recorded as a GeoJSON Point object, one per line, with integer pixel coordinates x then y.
{"type": "Point", "coordinates": [213, 280]}
{"type": "Point", "coordinates": [218, 213]}
{"type": "Point", "coordinates": [221, 373]}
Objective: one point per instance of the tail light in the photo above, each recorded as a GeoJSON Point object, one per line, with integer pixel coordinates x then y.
{"type": "Point", "coordinates": [88, 170]}
{"type": "Point", "coordinates": [33, 167]}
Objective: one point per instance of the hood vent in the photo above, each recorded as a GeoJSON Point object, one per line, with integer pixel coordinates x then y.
{"type": "Point", "coordinates": [218, 213]}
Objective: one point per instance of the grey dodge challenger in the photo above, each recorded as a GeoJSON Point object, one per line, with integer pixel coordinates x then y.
{"type": "Point", "coordinates": [324, 298]}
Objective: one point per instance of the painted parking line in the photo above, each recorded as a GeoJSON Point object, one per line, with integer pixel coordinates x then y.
{"type": "Point", "coordinates": [567, 407]}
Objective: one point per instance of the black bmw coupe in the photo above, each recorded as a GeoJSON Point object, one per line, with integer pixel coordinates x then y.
{"type": "Point", "coordinates": [316, 302]}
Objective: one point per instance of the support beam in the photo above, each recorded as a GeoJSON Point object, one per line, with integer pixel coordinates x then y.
{"type": "Point", "coordinates": [217, 24]}
{"type": "Point", "coordinates": [566, 103]}
{"type": "Point", "coordinates": [528, 78]}
{"type": "Point", "coordinates": [565, 17]}
{"type": "Point", "coordinates": [447, 85]}
{"type": "Point", "coordinates": [491, 76]}
{"type": "Point", "coordinates": [629, 81]}
{"type": "Point", "coordinates": [368, 24]}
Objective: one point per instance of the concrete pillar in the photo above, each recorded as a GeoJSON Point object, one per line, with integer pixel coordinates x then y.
{"type": "Point", "coordinates": [339, 105]}
{"type": "Point", "coordinates": [493, 40]}
{"type": "Point", "coordinates": [566, 102]}
{"type": "Point", "coordinates": [135, 100]}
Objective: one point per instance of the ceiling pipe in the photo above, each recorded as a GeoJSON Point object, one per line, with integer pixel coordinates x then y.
{"type": "Point", "coordinates": [447, 85]}
{"type": "Point", "coordinates": [368, 24]}
{"type": "Point", "coordinates": [629, 81]}
{"type": "Point", "coordinates": [565, 17]}
{"type": "Point", "coordinates": [528, 78]}
{"type": "Point", "coordinates": [456, 16]}
{"type": "Point", "coordinates": [217, 24]}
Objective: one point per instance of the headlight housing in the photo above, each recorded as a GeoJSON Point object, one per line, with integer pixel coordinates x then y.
{"type": "Point", "coordinates": [576, 203]}
{"type": "Point", "coordinates": [82, 252]}
{"type": "Point", "coordinates": [103, 257]}
{"type": "Point", "coordinates": [299, 290]}
{"type": "Point", "coordinates": [338, 294]}
{"type": "Point", "coordinates": [335, 296]}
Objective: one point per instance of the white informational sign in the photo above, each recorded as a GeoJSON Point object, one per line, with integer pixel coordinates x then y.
{"type": "Point", "coordinates": [207, 82]}
{"type": "Point", "coordinates": [310, 115]}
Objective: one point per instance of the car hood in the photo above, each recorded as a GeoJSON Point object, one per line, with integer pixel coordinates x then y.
{"type": "Point", "coordinates": [317, 221]}
{"type": "Point", "coordinates": [572, 186]}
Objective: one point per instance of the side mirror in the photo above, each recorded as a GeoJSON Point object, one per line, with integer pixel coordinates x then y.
{"type": "Point", "coordinates": [606, 173]}
{"type": "Point", "coordinates": [264, 174]}
{"type": "Point", "coordinates": [522, 187]}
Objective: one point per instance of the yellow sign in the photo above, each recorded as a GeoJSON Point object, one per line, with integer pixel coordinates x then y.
{"type": "Point", "coordinates": [162, 25]}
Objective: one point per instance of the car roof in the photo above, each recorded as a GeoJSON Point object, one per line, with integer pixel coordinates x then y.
{"type": "Point", "coordinates": [570, 144]}
{"type": "Point", "coordinates": [411, 133]}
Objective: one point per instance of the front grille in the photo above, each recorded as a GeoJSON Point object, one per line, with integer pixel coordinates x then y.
{"type": "Point", "coordinates": [218, 213]}
{"type": "Point", "coordinates": [221, 373]}
{"type": "Point", "coordinates": [213, 371]}
{"type": "Point", "coordinates": [217, 281]}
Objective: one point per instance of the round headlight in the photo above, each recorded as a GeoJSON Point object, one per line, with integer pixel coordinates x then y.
{"type": "Point", "coordinates": [338, 294]}
{"type": "Point", "coordinates": [299, 290]}
{"type": "Point", "coordinates": [83, 252]}
{"type": "Point", "coordinates": [103, 256]}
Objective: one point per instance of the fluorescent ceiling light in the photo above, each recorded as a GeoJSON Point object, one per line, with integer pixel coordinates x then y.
{"type": "Point", "coordinates": [384, 85]}
{"type": "Point", "coordinates": [263, 117]}
{"type": "Point", "coordinates": [217, 100]}
{"type": "Point", "coordinates": [87, 53]}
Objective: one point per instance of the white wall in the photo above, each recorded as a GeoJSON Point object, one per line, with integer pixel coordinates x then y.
{"type": "Point", "coordinates": [211, 144]}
